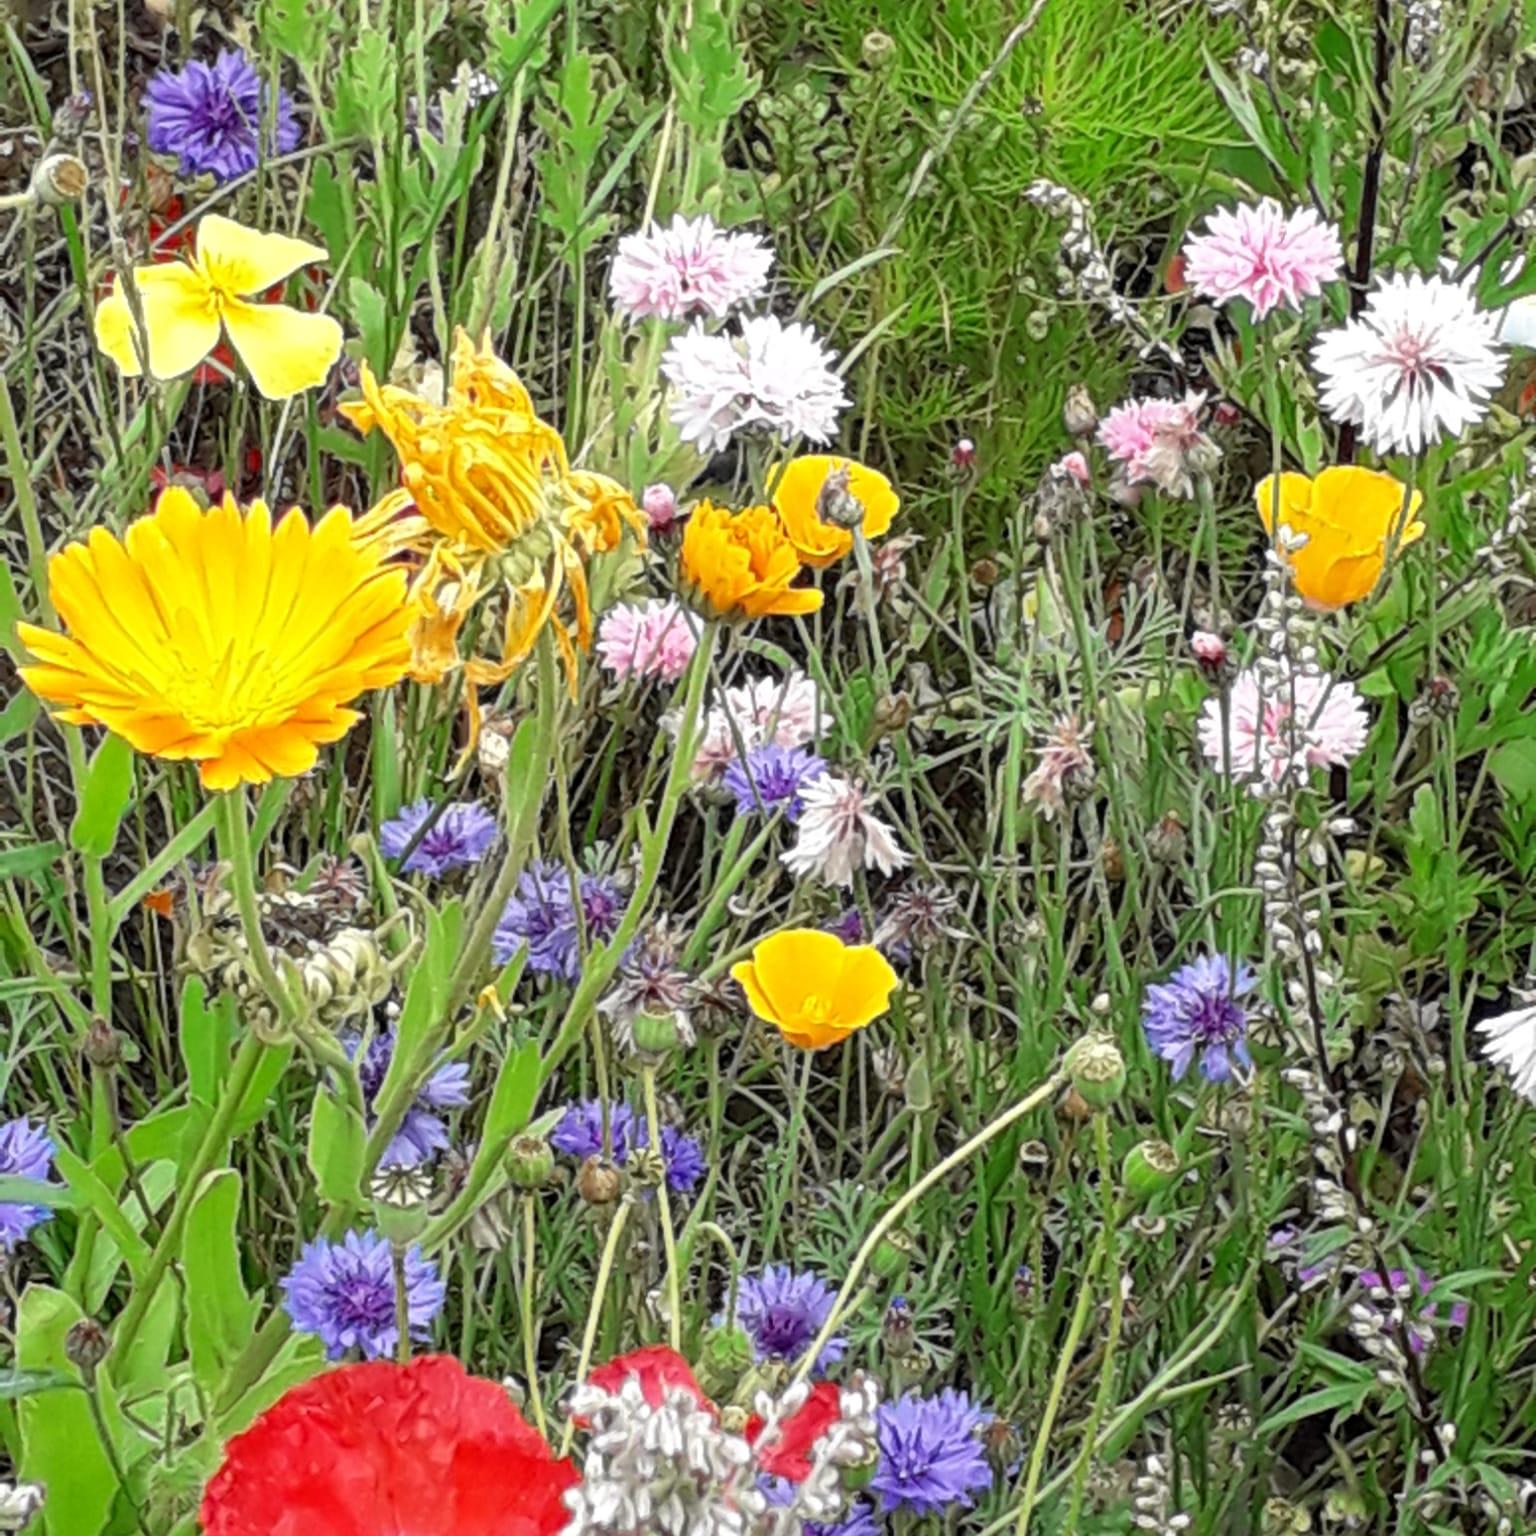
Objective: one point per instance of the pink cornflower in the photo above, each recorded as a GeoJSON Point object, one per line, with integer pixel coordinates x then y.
{"type": "Point", "coordinates": [1210, 650]}
{"type": "Point", "coordinates": [1308, 720]}
{"type": "Point", "coordinates": [838, 833]}
{"type": "Point", "coordinates": [1065, 767]}
{"type": "Point", "coordinates": [686, 269]}
{"type": "Point", "coordinates": [778, 711]}
{"type": "Point", "coordinates": [659, 504]}
{"type": "Point", "coordinates": [649, 639]}
{"type": "Point", "coordinates": [1159, 441]}
{"type": "Point", "coordinates": [1073, 465]}
{"type": "Point", "coordinates": [1264, 255]}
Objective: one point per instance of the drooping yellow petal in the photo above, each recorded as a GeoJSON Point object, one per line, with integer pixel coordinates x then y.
{"type": "Point", "coordinates": [180, 316]}
{"type": "Point", "coordinates": [285, 349]}
{"type": "Point", "coordinates": [241, 262]}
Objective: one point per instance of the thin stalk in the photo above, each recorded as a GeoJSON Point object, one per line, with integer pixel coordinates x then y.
{"type": "Point", "coordinates": [664, 1210]}
{"type": "Point", "coordinates": [595, 1309]}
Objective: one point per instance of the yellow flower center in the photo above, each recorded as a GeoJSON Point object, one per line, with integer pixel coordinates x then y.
{"type": "Point", "coordinates": [816, 1008]}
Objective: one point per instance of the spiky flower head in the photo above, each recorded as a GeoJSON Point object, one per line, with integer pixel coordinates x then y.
{"type": "Point", "coordinates": [344, 1294]}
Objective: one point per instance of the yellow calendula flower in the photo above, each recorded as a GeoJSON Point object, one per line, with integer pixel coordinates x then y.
{"type": "Point", "coordinates": [189, 306]}
{"type": "Point", "coordinates": [214, 637]}
{"type": "Point", "coordinates": [488, 502]}
{"type": "Point", "coordinates": [810, 493]}
{"type": "Point", "coordinates": [739, 565]}
{"type": "Point", "coordinates": [1351, 517]}
{"type": "Point", "coordinates": [813, 988]}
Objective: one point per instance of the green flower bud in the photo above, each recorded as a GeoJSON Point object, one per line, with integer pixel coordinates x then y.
{"type": "Point", "coordinates": [892, 1255]}
{"type": "Point", "coordinates": [858, 1475]}
{"type": "Point", "coordinates": [1149, 1168]}
{"type": "Point", "coordinates": [1097, 1070]}
{"type": "Point", "coordinates": [654, 1034]}
{"type": "Point", "coordinates": [400, 1200]}
{"type": "Point", "coordinates": [724, 1356]}
{"type": "Point", "coordinates": [530, 1162]}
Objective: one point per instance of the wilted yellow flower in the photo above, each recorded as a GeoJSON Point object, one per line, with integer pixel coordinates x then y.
{"type": "Point", "coordinates": [815, 989]}
{"type": "Point", "coordinates": [1350, 517]}
{"type": "Point", "coordinates": [215, 637]}
{"type": "Point", "coordinates": [488, 500]}
{"type": "Point", "coordinates": [739, 565]}
{"type": "Point", "coordinates": [188, 305]}
{"type": "Point", "coordinates": [801, 497]}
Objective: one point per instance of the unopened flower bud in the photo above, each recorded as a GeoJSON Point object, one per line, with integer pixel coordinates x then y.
{"type": "Point", "coordinates": [598, 1182]}
{"type": "Point", "coordinates": [1003, 1445]}
{"type": "Point", "coordinates": [103, 1046]}
{"type": "Point", "coordinates": [530, 1162]}
{"type": "Point", "coordinates": [878, 49]}
{"type": "Point", "coordinates": [86, 1345]}
{"type": "Point", "coordinates": [59, 179]}
{"type": "Point", "coordinates": [1079, 415]}
{"type": "Point", "coordinates": [835, 502]}
{"type": "Point", "coordinates": [892, 712]}
{"type": "Point", "coordinates": [892, 1255]}
{"type": "Point", "coordinates": [898, 1329]}
{"type": "Point", "coordinates": [400, 1199]}
{"type": "Point", "coordinates": [1111, 859]}
{"type": "Point", "coordinates": [1210, 651]}
{"type": "Point", "coordinates": [1097, 1070]}
{"type": "Point", "coordinates": [654, 1034]}
{"type": "Point", "coordinates": [724, 1357]}
{"type": "Point", "coordinates": [1149, 1168]}
{"type": "Point", "coordinates": [963, 454]}
{"type": "Point", "coordinates": [985, 572]}
{"type": "Point", "coordinates": [660, 506]}
{"type": "Point", "coordinates": [1168, 842]}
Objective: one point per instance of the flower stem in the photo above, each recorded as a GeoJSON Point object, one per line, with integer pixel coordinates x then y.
{"type": "Point", "coordinates": [235, 846]}
{"type": "Point", "coordinates": [525, 1305]}
{"type": "Point", "coordinates": [402, 1305]}
{"type": "Point", "coordinates": [595, 1310]}
{"type": "Point", "coordinates": [664, 1208]}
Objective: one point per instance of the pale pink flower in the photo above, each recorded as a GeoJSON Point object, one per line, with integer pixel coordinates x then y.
{"type": "Point", "coordinates": [649, 639]}
{"type": "Point", "coordinates": [1262, 254]}
{"type": "Point", "coordinates": [785, 711]}
{"type": "Point", "coordinates": [1065, 768]}
{"type": "Point", "coordinates": [659, 503]}
{"type": "Point", "coordinates": [1306, 720]}
{"type": "Point", "coordinates": [689, 268]}
{"type": "Point", "coordinates": [1072, 465]}
{"type": "Point", "coordinates": [1159, 441]}
{"type": "Point", "coordinates": [838, 833]}
{"type": "Point", "coordinates": [774, 376]}
{"type": "Point", "coordinates": [1509, 1040]}
{"type": "Point", "coordinates": [1209, 649]}
{"type": "Point", "coordinates": [1420, 361]}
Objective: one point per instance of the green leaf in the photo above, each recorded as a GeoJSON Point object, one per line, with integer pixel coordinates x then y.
{"type": "Point", "coordinates": [94, 1270]}
{"type": "Point", "coordinates": [205, 1038]}
{"type": "Point", "coordinates": [14, 1384]}
{"type": "Point", "coordinates": [512, 1099]}
{"type": "Point", "coordinates": [10, 605]}
{"type": "Point", "coordinates": [370, 314]}
{"type": "Point", "coordinates": [1348, 1395]}
{"type": "Point", "coordinates": [15, 1190]}
{"type": "Point", "coordinates": [19, 863]}
{"type": "Point", "coordinates": [22, 710]}
{"type": "Point", "coordinates": [220, 1315]}
{"type": "Point", "coordinates": [99, 1198]}
{"type": "Point", "coordinates": [337, 1138]}
{"type": "Point", "coordinates": [1513, 766]}
{"type": "Point", "coordinates": [258, 1097]}
{"type": "Point", "coordinates": [108, 784]}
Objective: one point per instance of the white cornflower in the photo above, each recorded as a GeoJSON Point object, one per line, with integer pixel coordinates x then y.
{"type": "Point", "coordinates": [1419, 362]}
{"type": "Point", "coordinates": [838, 833]}
{"type": "Point", "coordinates": [1509, 1040]}
{"type": "Point", "coordinates": [771, 375]}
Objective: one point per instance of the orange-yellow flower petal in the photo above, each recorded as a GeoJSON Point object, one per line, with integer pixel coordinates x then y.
{"type": "Point", "coordinates": [739, 565]}
{"type": "Point", "coordinates": [285, 350]}
{"type": "Point", "coordinates": [181, 321]}
{"type": "Point", "coordinates": [243, 261]}
{"type": "Point", "coordinates": [813, 988]}
{"type": "Point", "coordinates": [797, 494]}
{"type": "Point", "coordinates": [216, 637]}
{"type": "Point", "coordinates": [1352, 517]}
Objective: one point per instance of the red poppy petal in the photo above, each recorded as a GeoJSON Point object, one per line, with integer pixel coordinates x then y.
{"type": "Point", "coordinates": [790, 1453]}
{"type": "Point", "coordinates": [658, 1369]}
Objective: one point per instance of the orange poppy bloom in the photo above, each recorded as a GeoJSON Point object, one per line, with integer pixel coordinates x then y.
{"type": "Point", "coordinates": [813, 988]}
{"type": "Point", "coordinates": [798, 496]}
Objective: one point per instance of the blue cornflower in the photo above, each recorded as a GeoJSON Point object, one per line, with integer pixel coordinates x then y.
{"type": "Point", "coordinates": [344, 1294]}
{"type": "Point", "coordinates": [782, 1311]}
{"type": "Point", "coordinates": [422, 1133]}
{"type": "Point", "coordinates": [212, 116]}
{"type": "Point", "coordinates": [848, 926]}
{"type": "Point", "coordinates": [458, 839]}
{"type": "Point", "coordinates": [541, 917]}
{"type": "Point", "coordinates": [858, 1519]}
{"type": "Point", "coordinates": [26, 1151]}
{"type": "Point", "coordinates": [779, 774]}
{"type": "Point", "coordinates": [931, 1454]}
{"type": "Point", "coordinates": [1196, 1011]}
{"type": "Point", "coordinates": [579, 1134]}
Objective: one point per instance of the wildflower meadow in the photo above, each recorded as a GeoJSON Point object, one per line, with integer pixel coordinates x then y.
{"type": "Point", "coordinates": [767, 768]}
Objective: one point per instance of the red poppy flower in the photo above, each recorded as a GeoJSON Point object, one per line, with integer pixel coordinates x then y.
{"type": "Point", "coordinates": [658, 1369]}
{"type": "Point", "coordinates": [789, 1454]}
{"type": "Point", "coordinates": [374, 1448]}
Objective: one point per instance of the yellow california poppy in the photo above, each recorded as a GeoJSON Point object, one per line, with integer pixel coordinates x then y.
{"type": "Point", "coordinates": [797, 497]}
{"type": "Point", "coordinates": [814, 988]}
{"type": "Point", "coordinates": [215, 637]}
{"type": "Point", "coordinates": [1350, 516]}
{"type": "Point", "coordinates": [488, 500]}
{"type": "Point", "coordinates": [187, 306]}
{"type": "Point", "coordinates": [739, 565]}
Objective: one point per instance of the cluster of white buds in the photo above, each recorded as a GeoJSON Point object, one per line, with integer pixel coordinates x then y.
{"type": "Point", "coordinates": [19, 1502]}
{"type": "Point", "coordinates": [1152, 1501]}
{"type": "Point", "coordinates": [1083, 271]}
{"type": "Point", "coordinates": [1378, 1334]}
{"type": "Point", "coordinates": [849, 1442]}
{"type": "Point", "coordinates": [1496, 554]}
{"type": "Point", "coordinates": [1424, 21]}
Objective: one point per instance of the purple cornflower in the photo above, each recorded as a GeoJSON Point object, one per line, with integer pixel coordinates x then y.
{"type": "Point", "coordinates": [579, 1134]}
{"type": "Point", "coordinates": [1196, 1011]}
{"type": "Point", "coordinates": [26, 1152]}
{"type": "Point", "coordinates": [931, 1454]}
{"type": "Point", "coordinates": [422, 1134]}
{"type": "Point", "coordinates": [848, 926]}
{"type": "Point", "coordinates": [779, 774]}
{"type": "Point", "coordinates": [858, 1519]}
{"type": "Point", "coordinates": [541, 916]}
{"type": "Point", "coordinates": [782, 1311]}
{"type": "Point", "coordinates": [344, 1294]}
{"type": "Point", "coordinates": [212, 116]}
{"type": "Point", "coordinates": [459, 838]}
{"type": "Point", "coordinates": [1397, 1287]}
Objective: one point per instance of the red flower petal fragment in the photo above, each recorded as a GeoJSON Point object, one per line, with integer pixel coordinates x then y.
{"type": "Point", "coordinates": [789, 1453]}
{"type": "Point", "coordinates": [658, 1369]}
{"type": "Point", "coordinates": [374, 1448]}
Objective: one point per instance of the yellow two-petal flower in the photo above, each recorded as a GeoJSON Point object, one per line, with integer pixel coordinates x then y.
{"type": "Point", "coordinates": [187, 306]}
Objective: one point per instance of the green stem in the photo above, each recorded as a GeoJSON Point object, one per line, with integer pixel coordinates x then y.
{"type": "Point", "coordinates": [595, 1309]}
{"type": "Point", "coordinates": [664, 1208]}
{"type": "Point", "coordinates": [787, 1171]}
{"type": "Point", "coordinates": [184, 843]}
{"type": "Point", "coordinates": [529, 1321]}
{"type": "Point", "coordinates": [235, 846]}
